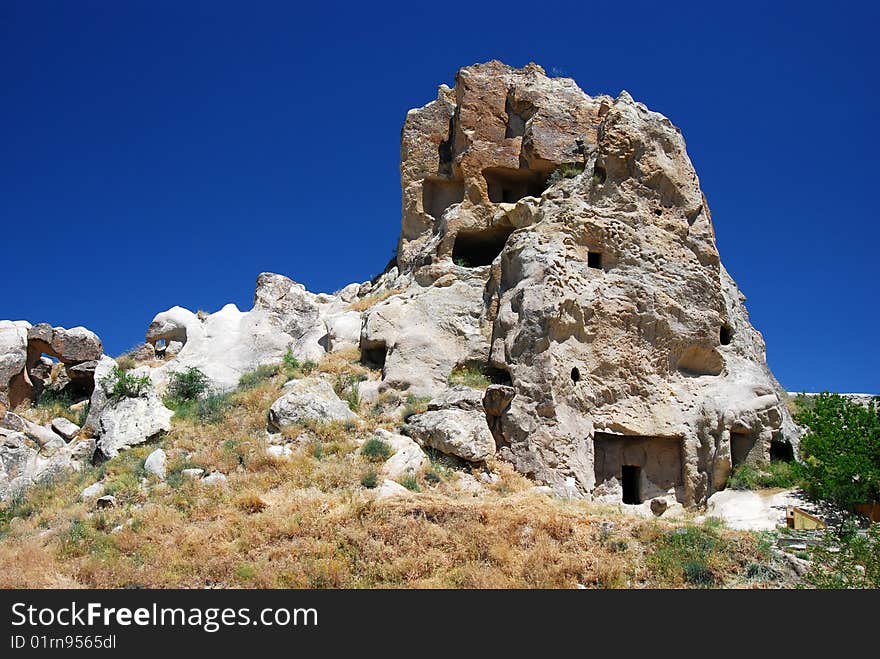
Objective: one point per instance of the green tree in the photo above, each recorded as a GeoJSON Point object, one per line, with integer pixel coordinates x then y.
{"type": "Point", "coordinates": [841, 451]}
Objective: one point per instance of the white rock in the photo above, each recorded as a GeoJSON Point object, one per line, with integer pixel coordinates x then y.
{"type": "Point", "coordinates": [408, 457]}
{"type": "Point", "coordinates": [458, 432]}
{"type": "Point", "coordinates": [156, 464]}
{"type": "Point", "coordinates": [64, 427]}
{"type": "Point", "coordinates": [93, 491]}
{"type": "Point", "coordinates": [389, 490]}
{"type": "Point", "coordinates": [194, 473]}
{"type": "Point", "coordinates": [305, 400]}
{"type": "Point", "coordinates": [277, 451]}
{"type": "Point", "coordinates": [214, 478]}
{"type": "Point", "coordinates": [131, 421]}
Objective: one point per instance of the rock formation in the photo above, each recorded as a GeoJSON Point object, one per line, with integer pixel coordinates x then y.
{"type": "Point", "coordinates": [558, 244]}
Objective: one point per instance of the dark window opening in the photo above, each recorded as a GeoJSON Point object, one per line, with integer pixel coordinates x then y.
{"type": "Point", "coordinates": [444, 151]}
{"type": "Point", "coordinates": [725, 335]}
{"type": "Point", "coordinates": [658, 212]}
{"type": "Point", "coordinates": [439, 194]}
{"type": "Point", "coordinates": [781, 451]}
{"type": "Point", "coordinates": [374, 355]}
{"type": "Point", "coordinates": [477, 248]}
{"type": "Point", "coordinates": [594, 260]}
{"type": "Point", "coordinates": [497, 375]}
{"type": "Point", "coordinates": [575, 374]}
{"type": "Point", "coordinates": [599, 174]}
{"type": "Point", "coordinates": [629, 480]}
{"type": "Point", "coordinates": [510, 185]}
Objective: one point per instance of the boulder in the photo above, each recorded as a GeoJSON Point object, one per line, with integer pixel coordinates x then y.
{"type": "Point", "coordinates": [462, 433]}
{"type": "Point", "coordinates": [194, 473]}
{"type": "Point", "coordinates": [465, 398]}
{"type": "Point", "coordinates": [131, 421]}
{"type": "Point", "coordinates": [64, 427]}
{"type": "Point", "coordinates": [156, 464]}
{"type": "Point", "coordinates": [13, 357]}
{"type": "Point", "coordinates": [389, 490]}
{"type": "Point", "coordinates": [214, 478]}
{"type": "Point", "coordinates": [24, 463]}
{"type": "Point", "coordinates": [308, 400]}
{"type": "Point", "coordinates": [93, 491]}
{"type": "Point", "coordinates": [408, 457]}
{"type": "Point", "coordinates": [106, 501]}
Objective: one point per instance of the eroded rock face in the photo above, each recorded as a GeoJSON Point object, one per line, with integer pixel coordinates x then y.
{"type": "Point", "coordinates": [305, 401]}
{"type": "Point", "coordinates": [597, 293]}
{"type": "Point", "coordinates": [26, 368]}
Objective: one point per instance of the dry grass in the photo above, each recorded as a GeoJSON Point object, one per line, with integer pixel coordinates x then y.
{"type": "Point", "coordinates": [306, 521]}
{"type": "Point", "coordinates": [365, 303]}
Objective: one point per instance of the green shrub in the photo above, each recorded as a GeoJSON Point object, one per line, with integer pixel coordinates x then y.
{"type": "Point", "coordinates": [210, 409]}
{"type": "Point", "coordinates": [187, 384]}
{"type": "Point", "coordinates": [471, 376]}
{"type": "Point", "coordinates": [684, 552]}
{"type": "Point", "coordinates": [257, 377]}
{"type": "Point", "coordinates": [121, 384]}
{"type": "Point", "coordinates": [414, 405]}
{"type": "Point", "coordinates": [411, 483]}
{"type": "Point", "coordinates": [290, 362]}
{"type": "Point", "coordinates": [566, 170]}
{"type": "Point", "coordinates": [846, 558]}
{"type": "Point", "coordinates": [375, 449]}
{"type": "Point", "coordinates": [754, 477]}
{"type": "Point", "coordinates": [370, 479]}
{"type": "Point", "coordinates": [841, 450]}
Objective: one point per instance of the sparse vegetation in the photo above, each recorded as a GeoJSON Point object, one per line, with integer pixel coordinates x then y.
{"type": "Point", "coordinates": [366, 302]}
{"type": "Point", "coordinates": [410, 482]}
{"type": "Point", "coordinates": [766, 475]}
{"type": "Point", "coordinates": [122, 384]}
{"type": "Point", "coordinates": [375, 449]}
{"type": "Point", "coordinates": [414, 405]}
{"type": "Point", "coordinates": [846, 558]}
{"type": "Point", "coordinates": [470, 375]}
{"type": "Point", "coordinates": [564, 171]}
{"type": "Point", "coordinates": [370, 479]}
{"type": "Point", "coordinates": [260, 375]}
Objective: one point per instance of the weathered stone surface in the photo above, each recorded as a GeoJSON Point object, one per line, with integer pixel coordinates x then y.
{"type": "Point", "coordinates": [465, 398]}
{"type": "Point", "coordinates": [156, 464]}
{"type": "Point", "coordinates": [194, 473]}
{"type": "Point", "coordinates": [457, 432]}
{"type": "Point", "coordinates": [131, 421]}
{"type": "Point", "coordinates": [214, 478]}
{"type": "Point", "coordinates": [601, 294]}
{"type": "Point", "coordinates": [497, 399]}
{"type": "Point", "coordinates": [308, 400]}
{"type": "Point", "coordinates": [24, 463]}
{"type": "Point", "coordinates": [389, 490]}
{"type": "Point", "coordinates": [65, 427]}
{"type": "Point", "coordinates": [408, 457]}
{"type": "Point", "coordinates": [13, 357]}
{"type": "Point", "coordinates": [106, 501]}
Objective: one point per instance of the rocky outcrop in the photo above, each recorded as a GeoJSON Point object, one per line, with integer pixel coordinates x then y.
{"type": "Point", "coordinates": [563, 243]}
{"type": "Point", "coordinates": [26, 366]}
{"type": "Point", "coordinates": [306, 401]}
{"type": "Point", "coordinates": [453, 431]}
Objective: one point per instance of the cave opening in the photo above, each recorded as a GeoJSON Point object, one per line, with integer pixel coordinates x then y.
{"type": "Point", "coordinates": [373, 355]}
{"type": "Point", "coordinates": [781, 451]}
{"type": "Point", "coordinates": [438, 194]}
{"type": "Point", "coordinates": [725, 334]}
{"type": "Point", "coordinates": [629, 481]}
{"type": "Point", "coordinates": [575, 374]}
{"type": "Point", "coordinates": [594, 260]}
{"type": "Point", "coordinates": [508, 186]}
{"type": "Point", "coordinates": [473, 249]}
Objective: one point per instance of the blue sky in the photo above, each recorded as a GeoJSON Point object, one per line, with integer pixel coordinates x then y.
{"type": "Point", "coordinates": [161, 153]}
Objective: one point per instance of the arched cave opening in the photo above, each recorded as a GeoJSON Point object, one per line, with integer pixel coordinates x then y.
{"type": "Point", "coordinates": [477, 248]}
{"type": "Point", "coordinates": [575, 374]}
{"type": "Point", "coordinates": [781, 451]}
{"type": "Point", "coordinates": [374, 354]}
{"type": "Point", "coordinates": [725, 334]}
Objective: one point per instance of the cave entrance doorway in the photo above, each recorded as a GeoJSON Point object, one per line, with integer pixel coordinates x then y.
{"type": "Point", "coordinates": [781, 451]}
{"type": "Point", "coordinates": [477, 248]}
{"type": "Point", "coordinates": [510, 185]}
{"type": "Point", "coordinates": [643, 467]}
{"type": "Point", "coordinates": [741, 445]}
{"type": "Point", "coordinates": [630, 476]}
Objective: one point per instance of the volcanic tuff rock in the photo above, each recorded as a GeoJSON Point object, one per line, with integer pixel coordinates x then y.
{"type": "Point", "coordinates": [555, 244]}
